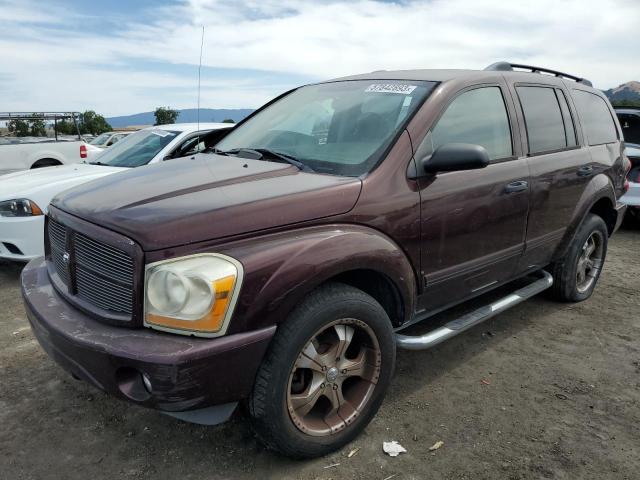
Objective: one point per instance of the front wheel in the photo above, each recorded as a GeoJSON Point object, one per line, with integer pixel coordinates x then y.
{"type": "Point", "coordinates": [325, 374]}
{"type": "Point", "coordinates": [576, 275]}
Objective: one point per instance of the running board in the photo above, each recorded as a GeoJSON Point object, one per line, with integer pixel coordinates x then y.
{"type": "Point", "coordinates": [459, 325]}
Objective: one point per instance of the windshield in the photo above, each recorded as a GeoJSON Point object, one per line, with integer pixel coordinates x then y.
{"type": "Point", "coordinates": [341, 128]}
{"type": "Point", "coordinates": [100, 139]}
{"type": "Point", "coordinates": [136, 149]}
{"type": "Point", "coordinates": [630, 124]}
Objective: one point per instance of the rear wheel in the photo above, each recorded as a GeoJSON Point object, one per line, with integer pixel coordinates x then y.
{"type": "Point", "coordinates": [576, 275]}
{"type": "Point", "coordinates": [325, 374]}
{"type": "Point", "coordinates": [46, 162]}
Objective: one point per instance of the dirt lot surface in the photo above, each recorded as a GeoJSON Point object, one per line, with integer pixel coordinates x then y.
{"type": "Point", "coordinates": [545, 390]}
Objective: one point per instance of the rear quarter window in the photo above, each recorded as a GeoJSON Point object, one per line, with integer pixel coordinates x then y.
{"type": "Point", "coordinates": [543, 119]}
{"type": "Point", "coordinates": [596, 118]}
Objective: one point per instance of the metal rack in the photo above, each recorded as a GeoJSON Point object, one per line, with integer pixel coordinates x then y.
{"type": "Point", "coordinates": [55, 116]}
{"type": "Point", "coordinates": [511, 67]}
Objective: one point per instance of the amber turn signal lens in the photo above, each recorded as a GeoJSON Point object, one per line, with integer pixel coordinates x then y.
{"type": "Point", "coordinates": [212, 321]}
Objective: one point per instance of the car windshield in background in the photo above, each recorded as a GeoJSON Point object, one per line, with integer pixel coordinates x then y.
{"type": "Point", "coordinates": [136, 149]}
{"type": "Point", "coordinates": [100, 139]}
{"type": "Point", "coordinates": [630, 123]}
{"type": "Point", "coordinates": [340, 128]}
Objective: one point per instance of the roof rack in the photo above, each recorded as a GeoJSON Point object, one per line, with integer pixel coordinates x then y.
{"type": "Point", "coordinates": [510, 67]}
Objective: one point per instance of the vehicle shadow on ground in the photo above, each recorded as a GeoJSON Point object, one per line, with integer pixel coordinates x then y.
{"type": "Point", "coordinates": [10, 272]}
{"type": "Point", "coordinates": [94, 417]}
{"type": "Point", "coordinates": [99, 429]}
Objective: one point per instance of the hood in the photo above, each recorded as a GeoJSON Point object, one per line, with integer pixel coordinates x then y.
{"type": "Point", "coordinates": [207, 197]}
{"type": "Point", "coordinates": [49, 180]}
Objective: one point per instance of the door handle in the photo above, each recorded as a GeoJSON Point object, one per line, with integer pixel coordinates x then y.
{"type": "Point", "coordinates": [518, 186]}
{"type": "Point", "coordinates": [585, 171]}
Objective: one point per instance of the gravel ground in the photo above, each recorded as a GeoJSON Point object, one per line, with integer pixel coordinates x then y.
{"type": "Point", "coordinates": [545, 390]}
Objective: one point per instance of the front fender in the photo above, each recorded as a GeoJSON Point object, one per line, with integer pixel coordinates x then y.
{"type": "Point", "coordinates": [599, 187]}
{"type": "Point", "coordinates": [282, 268]}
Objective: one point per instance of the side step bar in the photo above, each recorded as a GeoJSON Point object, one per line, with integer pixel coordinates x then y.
{"type": "Point", "coordinates": [459, 325]}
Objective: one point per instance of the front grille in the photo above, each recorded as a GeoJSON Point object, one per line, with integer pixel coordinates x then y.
{"type": "Point", "coordinates": [99, 274]}
{"type": "Point", "coordinates": [58, 246]}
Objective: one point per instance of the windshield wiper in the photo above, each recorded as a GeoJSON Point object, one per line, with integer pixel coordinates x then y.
{"type": "Point", "coordinates": [98, 163]}
{"type": "Point", "coordinates": [263, 153]}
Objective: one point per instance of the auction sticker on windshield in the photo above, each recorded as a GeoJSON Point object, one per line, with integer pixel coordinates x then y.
{"type": "Point", "coordinates": [160, 133]}
{"type": "Point", "coordinates": [391, 88]}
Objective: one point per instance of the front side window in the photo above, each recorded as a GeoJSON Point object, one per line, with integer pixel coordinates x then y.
{"type": "Point", "coordinates": [137, 149]}
{"type": "Point", "coordinates": [478, 117]}
{"type": "Point", "coordinates": [596, 117]}
{"type": "Point", "coordinates": [340, 128]}
{"type": "Point", "coordinates": [543, 119]}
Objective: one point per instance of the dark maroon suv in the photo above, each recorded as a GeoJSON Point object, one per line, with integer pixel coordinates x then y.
{"type": "Point", "coordinates": [278, 269]}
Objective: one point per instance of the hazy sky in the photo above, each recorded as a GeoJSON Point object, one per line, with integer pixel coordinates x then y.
{"type": "Point", "coordinates": [121, 57]}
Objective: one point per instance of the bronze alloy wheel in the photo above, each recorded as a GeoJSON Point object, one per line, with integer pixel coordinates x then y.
{"type": "Point", "coordinates": [590, 261]}
{"type": "Point", "coordinates": [333, 377]}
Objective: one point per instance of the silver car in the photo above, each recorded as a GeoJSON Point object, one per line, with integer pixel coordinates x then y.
{"type": "Point", "coordinates": [630, 122]}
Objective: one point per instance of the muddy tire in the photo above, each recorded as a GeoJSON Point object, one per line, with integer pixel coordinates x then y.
{"type": "Point", "coordinates": [576, 275]}
{"type": "Point", "coordinates": [325, 374]}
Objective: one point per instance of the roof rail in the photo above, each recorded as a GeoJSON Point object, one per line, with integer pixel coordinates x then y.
{"type": "Point", "coordinates": [510, 67]}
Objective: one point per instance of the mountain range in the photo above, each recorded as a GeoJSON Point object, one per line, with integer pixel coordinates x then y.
{"type": "Point", "coordinates": [188, 115]}
{"type": "Point", "coordinates": [627, 92]}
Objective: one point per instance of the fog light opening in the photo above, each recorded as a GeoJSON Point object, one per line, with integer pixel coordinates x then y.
{"type": "Point", "coordinates": [147, 382]}
{"type": "Point", "coordinates": [133, 384]}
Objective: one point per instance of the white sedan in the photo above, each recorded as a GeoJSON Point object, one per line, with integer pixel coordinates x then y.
{"type": "Point", "coordinates": [25, 196]}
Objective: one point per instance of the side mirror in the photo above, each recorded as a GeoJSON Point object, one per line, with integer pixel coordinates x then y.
{"type": "Point", "coordinates": [453, 157]}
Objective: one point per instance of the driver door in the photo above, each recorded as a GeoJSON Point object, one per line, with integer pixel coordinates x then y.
{"type": "Point", "coordinates": [473, 222]}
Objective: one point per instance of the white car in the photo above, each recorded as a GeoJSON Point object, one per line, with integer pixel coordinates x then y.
{"type": "Point", "coordinates": [28, 153]}
{"type": "Point", "coordinates": [25, 196]}
{"type": "Point", "coordinates": [632, 197]}
{"type": "Point", "coordinates": [107, 139]}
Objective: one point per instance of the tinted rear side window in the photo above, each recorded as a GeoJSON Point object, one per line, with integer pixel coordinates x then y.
{"type": "Point", "coordinates": [596, 118]}
{"type": "Point", "coordinates": [569, 127]}
{"type": "Point", "coordinates": [543, 118]}
{"type": "Point", "coordinates": [479, 117]}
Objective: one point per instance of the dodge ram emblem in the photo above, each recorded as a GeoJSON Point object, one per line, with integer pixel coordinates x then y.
{"type": "Point", "coordinates": [65, 258]}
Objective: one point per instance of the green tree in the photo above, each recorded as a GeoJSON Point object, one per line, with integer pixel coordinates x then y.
{"type": "Point", "coordinates": [166, 115]}
{"type": "Point", "coordinates": [626, 103]}
{"type": "Point", "coordinates": [66, 127]}
{"type": "Point", "coordinates": [33, 126]}
{"type": "Point", "coordinates": [20, 128]}
{"type": "Point", "coordinates": [88, 122]}
{"type": "Point", "coordinates": [93, 123]}
{"type": "Point", "coordinates": [228, 120]}
{"type": "Point", "coordinates": [37, 127]}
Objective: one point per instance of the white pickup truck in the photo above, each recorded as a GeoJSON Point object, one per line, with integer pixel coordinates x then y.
{"type": "Point", "coordinates": [23, 153]}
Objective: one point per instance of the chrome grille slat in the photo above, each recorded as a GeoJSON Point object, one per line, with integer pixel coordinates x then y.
{"type": "Point", "coordinates": [104, 275]}
{"type": "Point", "coordinates": [93, 288]}
{"type": "Point", "coordinates": [109, 267]}
{"type": "Point", "coordinates": [57, 233]}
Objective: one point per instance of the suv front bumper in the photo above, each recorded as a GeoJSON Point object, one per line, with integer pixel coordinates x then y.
{"type": "Point", "coordinates": [180, 375]}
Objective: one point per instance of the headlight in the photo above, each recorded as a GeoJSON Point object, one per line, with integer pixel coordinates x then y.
{"type": "Point", "coordinates": [20, 207]}
{"type": "Point", "coordinates": [192, 295]}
